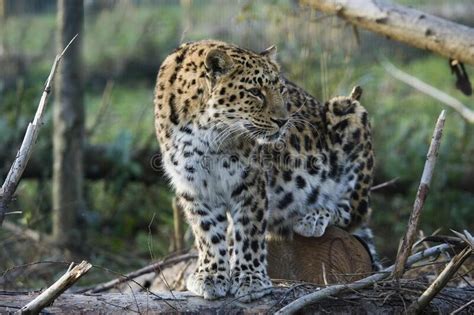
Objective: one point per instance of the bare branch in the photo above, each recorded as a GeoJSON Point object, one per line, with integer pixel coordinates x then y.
{"type": "Point", "coordinates": [429, 90]}
{"type": "Point", "coordinates": [55, 290]}
{"type": "Point", "coordinates": [19, 164]}
{"type": "Point", "coordinates": [423, 189]}
{"type": "Point", "coordinates": [404, 24]}
{"type": "Point", "coordinates": [339, 288]}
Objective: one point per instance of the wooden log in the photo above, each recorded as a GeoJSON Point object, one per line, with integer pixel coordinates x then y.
{"type": "Point", "coordinates": [383, 301]}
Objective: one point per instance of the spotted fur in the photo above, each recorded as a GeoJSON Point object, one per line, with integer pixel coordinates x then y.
{"type": "Point", "coordinates": [248, 151]}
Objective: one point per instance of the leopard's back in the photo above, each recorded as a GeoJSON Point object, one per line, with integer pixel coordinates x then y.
{"type": "Point", "coordinates": [322, 169]}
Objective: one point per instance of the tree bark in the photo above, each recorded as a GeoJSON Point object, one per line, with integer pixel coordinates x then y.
{"type": "Point", "coordinates": [68, 134]}
{"type": "Point", "coordinates": [406, 25]}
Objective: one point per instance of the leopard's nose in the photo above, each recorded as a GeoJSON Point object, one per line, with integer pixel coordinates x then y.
{"type": "Point", "coordinates": [279, 122]}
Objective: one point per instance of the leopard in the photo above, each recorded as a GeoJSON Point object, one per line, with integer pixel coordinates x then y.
{"type": "Point", "coordinates": [250, 155]}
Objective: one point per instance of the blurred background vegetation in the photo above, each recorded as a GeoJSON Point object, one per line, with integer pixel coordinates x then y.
{"type": "Point", "coordinates": [127, 220]}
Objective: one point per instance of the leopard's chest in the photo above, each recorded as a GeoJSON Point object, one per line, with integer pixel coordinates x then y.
{"type": "Point", "coordinates": [196, 163]}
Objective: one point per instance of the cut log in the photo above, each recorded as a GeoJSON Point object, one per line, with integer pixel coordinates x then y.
{"type": "Point", "coordinates": [336, 257]}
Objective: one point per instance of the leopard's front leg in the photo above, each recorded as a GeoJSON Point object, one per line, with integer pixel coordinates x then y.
{"type": "Point", "coordinates": [249, 256]}
{"type": "Point", "coordinates": [211, 277]}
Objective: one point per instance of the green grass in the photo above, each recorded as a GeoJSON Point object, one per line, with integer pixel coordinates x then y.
{"type": "Point", "coordinates": [30, 35]}
{"type": "Point", "coordinates": [128, 118]}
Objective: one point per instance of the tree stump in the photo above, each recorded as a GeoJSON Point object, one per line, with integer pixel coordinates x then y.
{"type": "Point", "coordinates": [336, 257]}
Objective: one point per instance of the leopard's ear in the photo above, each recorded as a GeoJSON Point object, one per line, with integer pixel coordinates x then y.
{"type": "Point", "coordinates": [218, 62]}
{"type": "Point", "coordinates": [356, 93]}
{"type": "Point", "coordinates": [270, 53]}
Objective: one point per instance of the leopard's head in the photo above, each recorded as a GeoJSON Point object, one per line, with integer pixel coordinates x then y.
{"type": "Point", "coordinates": [247, 95]}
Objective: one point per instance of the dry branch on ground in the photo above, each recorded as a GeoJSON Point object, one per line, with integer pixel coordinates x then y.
{"type": "Point", "coordinates": [48, 296]}
{"type": "Point", "coordinates": [440, 282]}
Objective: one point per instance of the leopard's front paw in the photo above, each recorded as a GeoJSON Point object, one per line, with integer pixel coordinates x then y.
{"type": "Point", "coordinates": [313, 224]}
{"type": "Point", "coordinates": [209, 286]}
{"type": "Point", "coordinates": [249, 286]}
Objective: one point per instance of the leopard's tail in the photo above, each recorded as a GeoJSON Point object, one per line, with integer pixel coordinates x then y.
{"type": "Point", "coordinates": [365, 235]}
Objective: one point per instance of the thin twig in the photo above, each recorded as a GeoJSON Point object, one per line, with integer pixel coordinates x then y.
{"type": "Point", "coordinates": [19, 164]}
{"type": "Point", "coordinates": [459, 310]}
{"type": "Point", "coordinates": [448, 100]}
{"type": "Point", "coordinates": [56, 289]}
{"type": "Point", "coordinates": [439, 239]}
{"type": "Point", "coordinates": [423, 189]}
{"type": "Point", "coordinates": [339, 288]}
{"type": "Point", "coordinates": [466, 237]}
{"type": "Point", "coordinates": [84, 290]}
{"type": "Point", "coordinates": [132, 275]}
{"type": "Point", "coordinates": [104, 104]}
{"type": "Point", "coordinates": [440, 282]}
{"type": "Point", "coordinates": [13, 212]}
{"type": "Point", "coordinates": [385, 184]}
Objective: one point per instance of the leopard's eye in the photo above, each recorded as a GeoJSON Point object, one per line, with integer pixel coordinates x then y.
{"type": "Point", "coordinates": [256, 92]}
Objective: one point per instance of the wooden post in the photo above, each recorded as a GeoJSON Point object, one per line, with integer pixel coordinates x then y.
{"type": "Point", "coordinates": [68, 120]}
